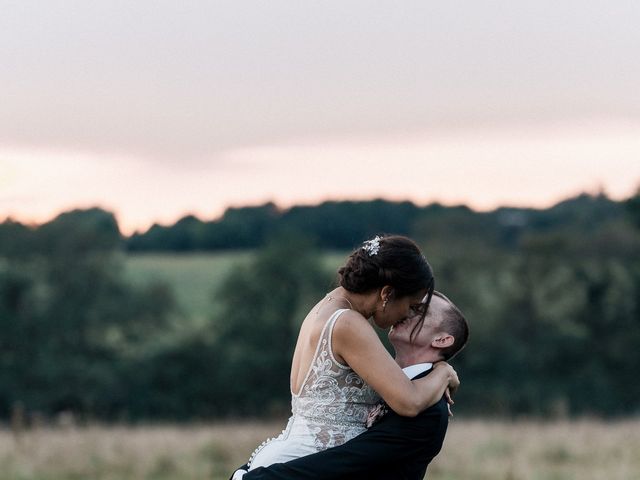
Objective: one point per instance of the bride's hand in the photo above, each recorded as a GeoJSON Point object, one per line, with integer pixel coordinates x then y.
{"type": "Point", "coordinates": [447, 396]}
{"type": "Point", "coordinates": [454, 381]}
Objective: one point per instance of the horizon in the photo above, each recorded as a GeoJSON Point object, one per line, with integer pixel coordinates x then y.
{"type": "Point", "coordinates": [528, 165]}
{"type": "Point", "coordinates": [282, 208]}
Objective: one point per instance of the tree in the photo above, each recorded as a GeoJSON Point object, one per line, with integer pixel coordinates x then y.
{"type": "Point", "coordinates": [632, 205]}
{"type": "Point", "coordinates": [69, 319]}
{"type": "Point", "coordinates": [263, 306]}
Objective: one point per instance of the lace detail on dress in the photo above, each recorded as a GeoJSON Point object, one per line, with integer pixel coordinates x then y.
{"type": "Point", "coordinates": [331, 408]}
{"type": "Point", "coordinates": [333, 398]}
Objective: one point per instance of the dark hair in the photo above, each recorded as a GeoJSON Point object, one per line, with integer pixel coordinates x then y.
{"type": "Point", "coordinates": [454, 323]}
{"type": "Point", "coordinates": [391, 260]}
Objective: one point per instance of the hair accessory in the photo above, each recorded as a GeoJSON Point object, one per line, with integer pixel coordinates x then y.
{"type": "Point", "coordinates": [372, 246]}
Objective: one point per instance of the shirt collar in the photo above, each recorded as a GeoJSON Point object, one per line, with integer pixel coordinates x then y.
{"type": "Point", "coordinates": [413, 370]}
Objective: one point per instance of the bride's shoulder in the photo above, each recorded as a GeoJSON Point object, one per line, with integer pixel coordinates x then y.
{"type": "Point", "coordinates": [348, 315]}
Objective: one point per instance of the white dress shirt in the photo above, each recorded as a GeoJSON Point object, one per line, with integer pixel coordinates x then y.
{"type": "Point", "coordinates": [414, 370]}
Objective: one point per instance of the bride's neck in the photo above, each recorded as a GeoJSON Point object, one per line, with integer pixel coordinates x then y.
{"type": "Point", "coordinates": [365, 304]}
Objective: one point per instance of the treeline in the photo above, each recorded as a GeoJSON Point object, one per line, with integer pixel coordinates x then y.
{"type": "Point", "coordinates": [340, 225]}
{"type": "Point", "coordinates": [553, 298]}
{"type": "Point", "coordinates": [72, 329]}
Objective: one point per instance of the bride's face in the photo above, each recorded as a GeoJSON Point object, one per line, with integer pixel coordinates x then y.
{"type": "Point", "coordinates": [397, 309]}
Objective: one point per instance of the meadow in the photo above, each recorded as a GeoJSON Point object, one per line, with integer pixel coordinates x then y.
{"type": "Point", "coordinates": [194, 277]}
{"type": "Point", "coordinates": [473, 450]}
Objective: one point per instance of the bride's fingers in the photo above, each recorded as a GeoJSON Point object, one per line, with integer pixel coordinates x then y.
{"type": "Point", "coordinates": [450, 402]}
{"type": "Point", "coordinates": [447, 394]}
{"type": "Point", "coordinates": [452, 391]}
{"type": "Point", "coordinates": [454, 383]}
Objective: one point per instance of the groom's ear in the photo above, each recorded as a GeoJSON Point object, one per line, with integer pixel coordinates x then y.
{"type": "Point", "coordinates": [442, 340]}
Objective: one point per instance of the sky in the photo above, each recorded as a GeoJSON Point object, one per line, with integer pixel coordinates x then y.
{"type": "Point", "coordinates": [157, 109]}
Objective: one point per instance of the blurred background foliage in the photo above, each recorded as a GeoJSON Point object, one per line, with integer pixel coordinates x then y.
{"type": "Point", "coordinates": [199, 319]}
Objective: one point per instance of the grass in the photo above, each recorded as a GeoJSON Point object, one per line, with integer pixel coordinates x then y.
{"type": "Point", "coordinates": [193, 277]}
{"type": "Point", "coordinates": [473, 450]}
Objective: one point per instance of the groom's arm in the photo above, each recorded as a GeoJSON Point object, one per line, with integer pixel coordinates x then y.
{"type": "Point", "coordinates": [393, 439]}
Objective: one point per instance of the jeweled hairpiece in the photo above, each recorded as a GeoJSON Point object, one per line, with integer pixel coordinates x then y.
{"type": "Point", "coordinates": [372, 246]}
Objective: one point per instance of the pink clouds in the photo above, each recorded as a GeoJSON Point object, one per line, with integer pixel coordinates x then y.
{"type": "Point", "coordinates": [484, 168]}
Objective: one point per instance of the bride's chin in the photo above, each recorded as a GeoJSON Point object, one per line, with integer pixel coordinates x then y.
{"type": "Point", "coordinates": [380, 324]}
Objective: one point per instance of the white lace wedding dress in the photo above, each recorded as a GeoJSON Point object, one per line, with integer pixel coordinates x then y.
{"type": "Point", "coordinates": [330, 409]}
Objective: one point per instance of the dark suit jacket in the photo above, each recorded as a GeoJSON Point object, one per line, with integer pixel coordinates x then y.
{"type": "Point", "coordinates": [395, 448]}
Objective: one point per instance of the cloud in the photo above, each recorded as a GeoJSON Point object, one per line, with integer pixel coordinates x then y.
{"type": "Point", "coordinates": [520, 165]}
{"type": "Point", "coordinates": [180, 83]}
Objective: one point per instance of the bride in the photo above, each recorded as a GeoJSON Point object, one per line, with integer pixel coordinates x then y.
{"type": "Point", "coordinates": [340, 369]}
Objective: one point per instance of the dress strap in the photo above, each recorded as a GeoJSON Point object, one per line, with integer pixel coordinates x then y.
{"type": "Point", "coordinates": [328, 336]}
{"type": "Point", "coordinates": [323, 340]}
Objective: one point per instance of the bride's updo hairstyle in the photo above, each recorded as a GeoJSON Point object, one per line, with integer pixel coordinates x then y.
{"type": "Point", "coordinates": [391, 260]}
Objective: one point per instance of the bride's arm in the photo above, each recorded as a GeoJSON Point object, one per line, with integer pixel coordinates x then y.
{"type": "Point", "coordinates": [357, 343]}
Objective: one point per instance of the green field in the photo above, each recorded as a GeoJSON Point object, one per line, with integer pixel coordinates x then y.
{"type": "Point", "coordinates": [194, 277]}
{"type": "Point", "coordinates": [473, 450]}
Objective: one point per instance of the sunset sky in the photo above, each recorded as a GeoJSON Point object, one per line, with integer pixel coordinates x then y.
{"type": "Point", "coordinates": [156, 109]}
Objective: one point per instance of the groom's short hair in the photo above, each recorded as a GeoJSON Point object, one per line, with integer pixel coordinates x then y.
{"type": "Point", "coordinates": [453, 323]}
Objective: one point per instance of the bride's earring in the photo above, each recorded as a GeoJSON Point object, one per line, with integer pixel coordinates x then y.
{"type": "Point", "coordinates": [384, 304]}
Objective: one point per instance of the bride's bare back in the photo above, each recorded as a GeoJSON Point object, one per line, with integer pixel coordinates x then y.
{"type": "Point", "coordinates": [330, 403]}
{"type": "Point", "coordinates": [309, 336]}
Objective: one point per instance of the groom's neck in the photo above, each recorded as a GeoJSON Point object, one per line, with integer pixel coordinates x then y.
{"type": "Point", "coordinates": [405, 357]}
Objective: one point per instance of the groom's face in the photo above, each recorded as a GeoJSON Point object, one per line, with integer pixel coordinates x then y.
{"type": "Point", "coordinates": [397, 309]}
{"type": "Point", "coordinates": [401, 332]}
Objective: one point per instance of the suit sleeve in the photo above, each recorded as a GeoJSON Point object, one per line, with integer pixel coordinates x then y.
{"type": "Point", "coordinates": [393, 439]}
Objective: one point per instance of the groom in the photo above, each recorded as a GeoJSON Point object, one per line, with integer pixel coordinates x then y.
{"type": "Point", "coordinates": [395, 447]}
